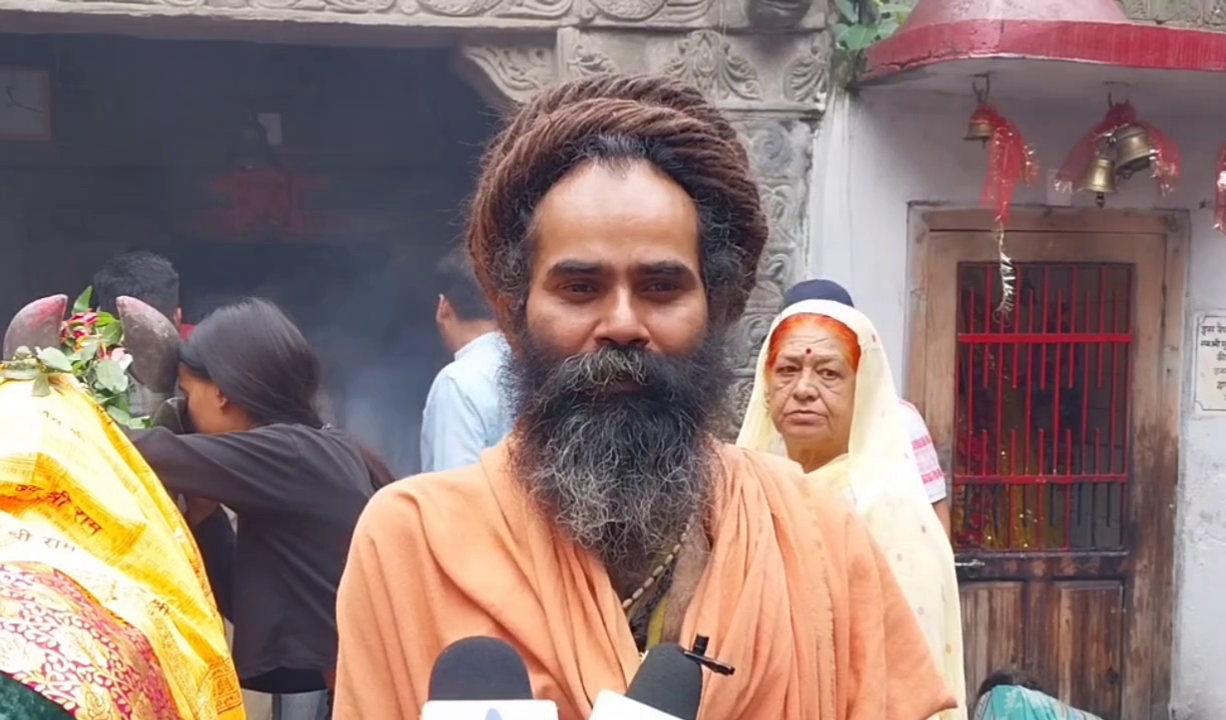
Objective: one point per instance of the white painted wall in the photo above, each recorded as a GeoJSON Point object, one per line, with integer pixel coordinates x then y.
{"type": "Point", "coordinates": [892, 147]}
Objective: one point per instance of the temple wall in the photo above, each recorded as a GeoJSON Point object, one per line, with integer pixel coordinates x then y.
{"type": "Point", "coordinates": [764, 62]}
{"type": "Point", "coordinates": [143, 134]}
{"type": "Point", "coordinates": [893, 149]}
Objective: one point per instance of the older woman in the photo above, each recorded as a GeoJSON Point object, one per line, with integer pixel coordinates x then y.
{"type": "Point", "coordinates": [824, 396]}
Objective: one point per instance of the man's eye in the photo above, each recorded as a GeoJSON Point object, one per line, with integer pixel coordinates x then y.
{"type": "Point", "coordinates": [579, 288]}
{"type": "Point", "coordinates": [663, 287]}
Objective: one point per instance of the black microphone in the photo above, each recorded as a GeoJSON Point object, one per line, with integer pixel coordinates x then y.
{"type": "Point", "coordinates": [479, 678]}
{"type": "Point", "coordinates": [668, 686]}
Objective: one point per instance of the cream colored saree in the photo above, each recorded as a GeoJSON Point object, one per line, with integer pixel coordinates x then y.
{"type": "Point", "coordinates": [879, 477]}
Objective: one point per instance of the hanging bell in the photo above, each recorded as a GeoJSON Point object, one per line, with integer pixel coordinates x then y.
{"type": "Point", "coordinates": [1133, 150]}
{"type": "Point", "coordinates": [979, 129]}
{"type": "Point", "coordinates": [1099, 179]}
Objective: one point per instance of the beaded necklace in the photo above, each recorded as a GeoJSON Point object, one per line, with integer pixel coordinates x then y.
{"type": "Point", "coordinates": [659, 570]}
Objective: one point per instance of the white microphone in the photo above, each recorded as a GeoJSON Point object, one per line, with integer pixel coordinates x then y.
{"type": "Point", "coordinates": [481, 678]}
{"type": "Point", "coordinates": [668, 686]}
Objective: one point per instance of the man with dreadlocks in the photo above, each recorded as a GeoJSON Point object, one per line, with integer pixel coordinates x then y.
{"type": "Point", "coordinates": [616, 230]}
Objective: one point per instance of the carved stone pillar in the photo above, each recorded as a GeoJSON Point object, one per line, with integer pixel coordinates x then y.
{"type": "Point", "coordinates": [773, 87]}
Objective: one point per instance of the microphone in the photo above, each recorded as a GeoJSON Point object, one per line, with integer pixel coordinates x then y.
{"type": "Point", "coordinates": [668, 686]}
{"type": "Point", "coordinates": [482, 678]}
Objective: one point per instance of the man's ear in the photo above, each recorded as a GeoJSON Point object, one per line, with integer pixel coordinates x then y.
{"type": "Point", "coordinates": [445, 311]}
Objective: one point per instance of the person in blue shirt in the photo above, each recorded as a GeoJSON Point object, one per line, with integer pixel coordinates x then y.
{"type": "Point", "coordinates": [466, 410]}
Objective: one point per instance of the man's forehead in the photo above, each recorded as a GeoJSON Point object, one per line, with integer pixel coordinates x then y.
{"type": "Point", "coordinates": [637, 216]}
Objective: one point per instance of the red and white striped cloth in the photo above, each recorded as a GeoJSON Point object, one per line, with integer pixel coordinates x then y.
{"type": "Point", "coordinates": [925, 454]}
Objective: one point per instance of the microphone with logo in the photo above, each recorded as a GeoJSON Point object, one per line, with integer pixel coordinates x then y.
{"type": "Point", "coordinates": [668, 686]}
{"type": "Point", "coordinates": [482, 678]}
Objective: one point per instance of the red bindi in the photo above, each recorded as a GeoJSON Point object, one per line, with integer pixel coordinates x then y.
{"type": "Point", "coordinates": [808, 351]}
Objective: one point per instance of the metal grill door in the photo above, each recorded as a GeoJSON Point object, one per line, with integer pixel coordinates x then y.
{"type": "Point", "coordinates": [1044, 411]}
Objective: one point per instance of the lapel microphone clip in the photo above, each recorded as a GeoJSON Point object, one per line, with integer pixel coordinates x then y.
{"type": "Point", "coordinates": [697, 653]}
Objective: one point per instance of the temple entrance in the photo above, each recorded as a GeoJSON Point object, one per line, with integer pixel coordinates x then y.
{"type": "Point", "coordinates": [328, 179]}
{"type": "Point", "coordinates": [1052, 409]}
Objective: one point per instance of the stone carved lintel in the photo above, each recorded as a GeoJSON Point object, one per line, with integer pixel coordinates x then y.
{"type": "Point", "coordinates": [507, 73]}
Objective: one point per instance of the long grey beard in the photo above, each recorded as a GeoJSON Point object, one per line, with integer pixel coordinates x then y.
{"type": "Point", "coordinates": [621, 471]}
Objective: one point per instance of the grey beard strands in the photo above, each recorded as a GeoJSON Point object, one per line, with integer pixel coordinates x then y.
{"type": "Point", "coordinates": [622, 472]}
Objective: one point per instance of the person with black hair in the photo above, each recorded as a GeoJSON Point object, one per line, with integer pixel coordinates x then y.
{"type": "Point", "coordinates": [143, 275]}
{"type": "Point", "coordinates": [256, 443]}
{"type": "Point", "coordinates": [465, 411]}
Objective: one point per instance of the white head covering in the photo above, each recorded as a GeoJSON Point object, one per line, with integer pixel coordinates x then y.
{"type": "Point", "coordinates": [880, 454]}
{"type": "Point", "coordinates": [884, 484]}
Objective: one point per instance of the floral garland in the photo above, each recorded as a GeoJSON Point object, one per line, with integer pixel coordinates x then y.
{"type": "Point", "coordinates": [91, 350]}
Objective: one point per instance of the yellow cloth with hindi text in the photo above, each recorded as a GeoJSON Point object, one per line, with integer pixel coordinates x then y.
{"type": "Point", "coordinates": [106, 609]}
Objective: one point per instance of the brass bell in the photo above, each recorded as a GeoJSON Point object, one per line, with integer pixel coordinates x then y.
{"type": "Point", "coordinates": [1133, 150]}
{"type": "Point", "coordinates": [979, 129]}
{"type": "Point", "coordinates": [1099, 179]}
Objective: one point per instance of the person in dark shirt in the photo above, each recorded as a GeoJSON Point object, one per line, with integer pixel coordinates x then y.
{"type": "Point", "coordinates": [257, 445]}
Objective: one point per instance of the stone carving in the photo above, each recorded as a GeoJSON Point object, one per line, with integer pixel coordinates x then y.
{"type": "Point", "coordinates": [515, 72]}
{"type": "Point", "coordinates": [585, 59]}
{"type": "Point", "coordinates": [776, 14]}
{"type": "Point", "coordinates": [807, 78]}
{"type": "Point", "coordinates": [1184, 12]}
{"type": "Point", "coordinates": [769, 145]}
{"type": "Point", "coordinates": [742, 388]}
{"type": "Point", "coordinates": [782, 210]}
{"type": "Point", "coordinates": [747, 338]}
{"type": "Point", "coordinates": [671, 12]}
{"type": "Point", "coordinates": [510, 9]}
{"type": "Point", "coordinates": [1215, 14]}
{"type": "Point", "coordinates": [458, 8]}
{"type": "Point", "coordinates": [705, 58]}
{"type": "Point", "coordinates": [1137, 9]}
{"type": "Point", "coordinates": [342, 6]}
{"type": "Point", "coordinates": [1177, 12]}
{"type": "Point", "coordinates": [534, 9]}
{"type": "Point", "coordinates": [775, 274]}
{"type": "Point", "coordinates": [778, 149]}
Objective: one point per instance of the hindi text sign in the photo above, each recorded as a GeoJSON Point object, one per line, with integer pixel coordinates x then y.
{"type": "Point", "coordinates": [1210, 338]}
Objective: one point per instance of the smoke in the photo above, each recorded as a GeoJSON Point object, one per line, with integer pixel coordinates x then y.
{"type": "Point", "coordinates": [369, 313]}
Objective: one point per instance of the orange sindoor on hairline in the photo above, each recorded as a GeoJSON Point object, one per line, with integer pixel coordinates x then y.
{"type": "Point", "coordinates": [848, 342]}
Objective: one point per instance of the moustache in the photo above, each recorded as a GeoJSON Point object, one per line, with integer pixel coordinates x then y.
{"type": "Point", "coordinates": [619, 370]}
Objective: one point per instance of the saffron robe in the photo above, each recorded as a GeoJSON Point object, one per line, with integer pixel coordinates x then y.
{"type": "Point", "coordinates": [795, 596]}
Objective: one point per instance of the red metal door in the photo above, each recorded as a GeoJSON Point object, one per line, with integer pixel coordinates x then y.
{"type": "Point", "coordinates": [1041, 461]}
{"type": "Point", "coordinates": [1044, 410]}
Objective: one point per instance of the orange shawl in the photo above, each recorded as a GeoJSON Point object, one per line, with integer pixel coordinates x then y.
{"type": "Point", "coordinates": [795, 596]}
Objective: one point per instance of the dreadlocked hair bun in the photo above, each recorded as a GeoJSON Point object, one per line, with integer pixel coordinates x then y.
{"type": "Point", "coordinates": [617, 118]}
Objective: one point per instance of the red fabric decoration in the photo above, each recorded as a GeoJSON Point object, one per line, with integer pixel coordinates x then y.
{"type": "Point", "coordinates": [1219, 207]}
{"type": "Point", "coordinates": [1167, 167]}
{"type": "Point", "coordinates": [1010, 161]}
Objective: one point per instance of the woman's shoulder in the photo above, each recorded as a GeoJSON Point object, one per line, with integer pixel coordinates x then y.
{"type": "Point", "coordinates": [324, 449]}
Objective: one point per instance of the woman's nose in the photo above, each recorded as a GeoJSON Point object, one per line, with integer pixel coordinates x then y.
{"type": "Point", "coordinates": [623, 325]}
{"type": "Point", "coordinates": [806, 387]}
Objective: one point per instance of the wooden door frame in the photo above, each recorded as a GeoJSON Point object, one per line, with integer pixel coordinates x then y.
{"type": "Point", "coordinates": [1149, 601]}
